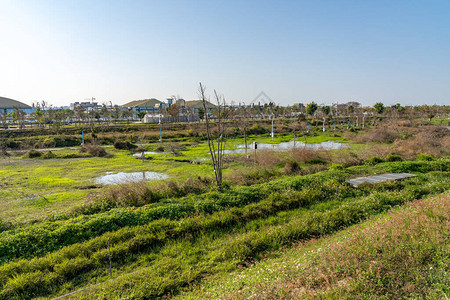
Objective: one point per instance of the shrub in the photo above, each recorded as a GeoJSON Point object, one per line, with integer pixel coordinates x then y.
{"type": "Point", "coordinates": [381, 134]}
{"type": "Point", "coordinates": [316, 161]}
{"type": "Point", "coordinates": [267, 158]}
{"type": "Point", "coordinates": [305, 155]}
{"type": "Point", "coordinates": [425, 157]}
{"type": "Point", "coordinates": [160, 149]}
{"type": "Point", "coordinates": [124, 145]}
{"type": "Point", "coordinates": [336, 167]}
{"type": "Point", "coordinates": [372, 161]}
{"type": "Point", "coordinates": [33, 154]}
{"type": "Point", "coordinates": [4, 225]}
{"type": "Point", "coordinates": [49, 155]}
{"type": "Point", "coordinates": [291, 166]}
{"type": "Point", "coordinates": [393, 157]}
{"type": "Point", "coordinates": [257, 129]}
{"type": "Point", "coordinates": [93, 150]}
{"type": "Point", "coordinates": [432, 140]}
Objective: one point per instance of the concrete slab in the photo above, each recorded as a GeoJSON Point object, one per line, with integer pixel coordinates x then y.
{"type": "Point", "coordinates": [379, 178]}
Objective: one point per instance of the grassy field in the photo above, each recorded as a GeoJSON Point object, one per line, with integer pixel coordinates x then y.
{"type": "Point", "coordinates": [34, 189]}
{"type": "Point", "coordinates": [183, 236]}
{"type": "Point", "coordinates": [399, 254]}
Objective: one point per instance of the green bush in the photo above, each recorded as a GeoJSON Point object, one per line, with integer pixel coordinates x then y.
{"type": "Point", "coordinates": [93, 150]}
{"type": "Point", "coordinates": [425, 157]}
{"type": "Point", "coordinates": [316, 161]}
{"type": "Point", "coordinates": [393, 157]}
{"type": "Point", "coordinates": [124, 145]}
{"type": "Point", "coordinates": [336, 167]}
{"type": "Point", "coordinates": [257, 129]}
{"type": "Point", "coordinates": [49, 155]}
{"type": "Point", "coordinates": [32, 154]}
{"type": "Point", "coordinates": [291, 166]}
{"type": "Point", "coordinates": [372, 161]}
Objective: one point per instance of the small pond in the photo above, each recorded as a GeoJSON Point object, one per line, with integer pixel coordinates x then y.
{"type": "Point", "coordinates": [139, 154]}
{"type": "Point", "coordinates": [285, 146]}
{"type": "Point", "coordinates": [122, 177]}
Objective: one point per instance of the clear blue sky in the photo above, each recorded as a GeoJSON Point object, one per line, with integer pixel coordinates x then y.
{"type": "Point", "coordinates": [294, 51]}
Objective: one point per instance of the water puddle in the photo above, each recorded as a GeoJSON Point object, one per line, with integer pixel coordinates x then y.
{"type": "Point", "coordinates": [285, 146]}
{"type": "Point", "coordinates": [122, 177]}
{"type": "Point", "coordinates": [139, 154]}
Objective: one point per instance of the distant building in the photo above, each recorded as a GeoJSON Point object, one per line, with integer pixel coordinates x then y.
{"type": "Point", "coordinates": [88, 105]}
{"type": "Point", "coordinates": [149, 105]}
{"type": "Point", "coordinates": [8, 105]}
{"type": "Point", "coordinates": [188, 111]}
{"type": "Point", "coordinates": [194, 106]}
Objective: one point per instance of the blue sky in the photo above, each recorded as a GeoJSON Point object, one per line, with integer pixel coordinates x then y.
{"type": "Point", "coordinates": [294, 51]}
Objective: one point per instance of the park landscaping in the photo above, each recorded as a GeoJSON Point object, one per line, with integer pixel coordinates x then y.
{"type": "Point", "coordinates": [184, 236]}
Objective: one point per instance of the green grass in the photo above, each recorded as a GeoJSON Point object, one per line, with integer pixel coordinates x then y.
{"type": "Point", "coordinates": [400, 254]}
{"type": "Point", "coordinates": [173, 254]}
{"type": "Point", "coordinates": [55, 222]}
{"type": "Point", "coordinates": [25, 179]}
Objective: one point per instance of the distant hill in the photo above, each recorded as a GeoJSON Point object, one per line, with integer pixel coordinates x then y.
{"type": "Point", "coordinates": [6, 103]}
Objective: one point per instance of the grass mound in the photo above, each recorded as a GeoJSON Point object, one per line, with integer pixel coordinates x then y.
{"type": "Point", "coordinates": [402, 255]}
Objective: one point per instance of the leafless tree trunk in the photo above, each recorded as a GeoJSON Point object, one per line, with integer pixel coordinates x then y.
{"type": "Point", "coordinates": [4, 118]}
{"type": "Point", "coordinates": [216, 146]}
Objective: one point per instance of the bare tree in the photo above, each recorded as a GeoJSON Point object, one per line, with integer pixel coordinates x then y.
{"type": "Point", "coordinates": [174, 112]}
{"type": "Point", "coordinates": [79, 113]}
{"type": "Point", "coordinates": [18, 116]}
{"type": "Point", "coordinates": [216, 145]}
{"type": "Point", "coordinates": [4, 118]}
{"type": "Point", "coordinates": [244, 115]}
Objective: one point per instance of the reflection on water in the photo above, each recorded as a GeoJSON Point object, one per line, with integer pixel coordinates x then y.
{"type": "Point", "coordinates": [123, 177]}
{"type": "Point", "coordinates": [285, 146]}
{"type": "Point", "coordinates": [139, 155]}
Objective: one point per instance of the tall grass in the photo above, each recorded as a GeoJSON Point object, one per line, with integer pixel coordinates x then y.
{"type": "Point", "coordinates": [39, 239]}
{"type": "Point", "coordinates": [403, 255]}
{"type": "Point", "coordinates": [183, 242]}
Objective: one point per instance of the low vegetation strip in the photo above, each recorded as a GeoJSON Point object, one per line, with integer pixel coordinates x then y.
{"type": "Point", "coordinates": [45, 237]}
{"type": "Point", "coordinates": [402, 255]}
{"type": "Point", "coordinates": [74, 265]}
{"type": "Point", "coordinates": [151, 282]}
{"type": "Point", "coordinates": [39, 239]}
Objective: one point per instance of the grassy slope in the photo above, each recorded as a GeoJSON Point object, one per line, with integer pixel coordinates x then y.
{"type": "Point", "coordinates": [154, 263]}
{"type": "Point", "coordinates": [402, 254]}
